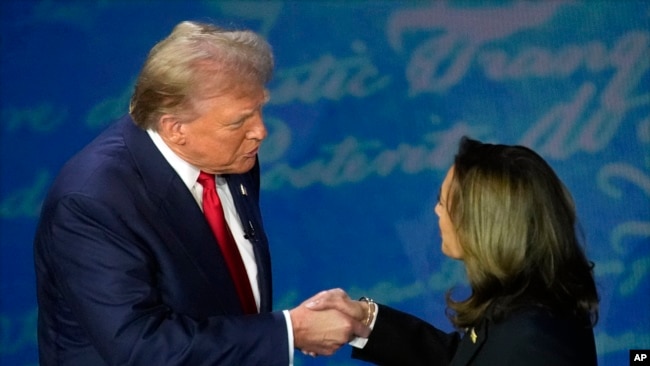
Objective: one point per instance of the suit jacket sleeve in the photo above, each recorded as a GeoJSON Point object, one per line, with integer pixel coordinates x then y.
{"type": "Point", "coordinates": [402, 339]}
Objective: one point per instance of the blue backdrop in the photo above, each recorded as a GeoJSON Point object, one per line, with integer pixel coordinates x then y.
{"type": "Point", "coordinates": [368, 102]}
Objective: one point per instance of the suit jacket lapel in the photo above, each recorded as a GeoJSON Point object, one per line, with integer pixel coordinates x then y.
{"type": "Point", "coordinates": [470, 345]}
{"type": "Point", "coordinates": [180, 219]}
{"type": "Point", "coordinates": [245, 196]}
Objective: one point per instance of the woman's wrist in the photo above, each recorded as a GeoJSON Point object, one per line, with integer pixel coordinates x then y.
{"type": "Point", "coordinates": [370, 310]}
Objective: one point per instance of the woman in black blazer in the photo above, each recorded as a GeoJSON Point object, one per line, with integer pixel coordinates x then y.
{"type": "Point", "coordinates": [505, 213]}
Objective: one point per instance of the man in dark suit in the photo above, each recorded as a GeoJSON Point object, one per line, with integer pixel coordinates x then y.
{"type": "Point", "coordinates": [129, 270]}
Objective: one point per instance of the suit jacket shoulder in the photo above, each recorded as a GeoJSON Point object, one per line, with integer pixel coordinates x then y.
{"type": "Point", "coordinates": [532, 336]}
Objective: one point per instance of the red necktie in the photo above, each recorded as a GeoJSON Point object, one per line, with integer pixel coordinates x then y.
{"type": "Point", "coordinates": [213, 212]}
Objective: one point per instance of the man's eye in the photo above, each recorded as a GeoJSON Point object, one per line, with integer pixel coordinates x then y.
{"type": "Point", "coordinates": [238, 122]}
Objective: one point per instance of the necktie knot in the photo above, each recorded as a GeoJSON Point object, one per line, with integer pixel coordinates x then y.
{"type": "Point", "coordinates": [206, 180]}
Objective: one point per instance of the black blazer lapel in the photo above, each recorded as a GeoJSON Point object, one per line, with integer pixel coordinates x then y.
{"type": "Point", "coordinates": [471, 343]}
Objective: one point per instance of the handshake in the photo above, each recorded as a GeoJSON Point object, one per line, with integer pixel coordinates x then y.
{"type": "Point", "coordinates": [328, 320]}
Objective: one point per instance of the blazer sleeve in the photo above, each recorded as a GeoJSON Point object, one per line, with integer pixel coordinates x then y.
{"type": "Point", "coordinates": [105, 280]}
{"type": "Point", "coordinates": [399, 338]}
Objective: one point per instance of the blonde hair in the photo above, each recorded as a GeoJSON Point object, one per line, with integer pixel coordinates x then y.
{"type": "Point", "coordinates": [516, 224]}
{"type": "Point", "coordinates": [197, 61]}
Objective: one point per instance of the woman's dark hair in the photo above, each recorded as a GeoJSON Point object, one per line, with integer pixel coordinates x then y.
{"type": "Point", "coordinates": [517, 226]}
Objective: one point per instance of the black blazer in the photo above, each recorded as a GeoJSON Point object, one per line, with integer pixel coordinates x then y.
{"type": "Point", "coordinates": [530, 337]}
{"type": "Point", "coordinates": [129, 272]}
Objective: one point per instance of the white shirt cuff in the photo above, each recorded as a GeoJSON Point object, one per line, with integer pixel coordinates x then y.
{"type": "Point", "coordinates": [287, 318]}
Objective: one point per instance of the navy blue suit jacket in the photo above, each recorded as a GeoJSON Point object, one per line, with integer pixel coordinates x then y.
{"type": "Point", "coordinates": [129, 272]}
{"type": "Point", "coordinates": [528, 337]}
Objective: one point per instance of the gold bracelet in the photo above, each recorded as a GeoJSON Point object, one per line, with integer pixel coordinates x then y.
{"type": "Point", "coordinates": [372, 308]}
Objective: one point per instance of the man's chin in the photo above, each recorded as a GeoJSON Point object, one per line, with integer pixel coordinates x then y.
{"type": "Point", "coordinates": [245, 166]}
{"type": "Point", "coordinates": [240, 166]}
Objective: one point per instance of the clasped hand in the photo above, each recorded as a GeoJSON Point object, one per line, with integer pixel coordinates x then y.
{"type": "Point", "coordinates": [327, 321]}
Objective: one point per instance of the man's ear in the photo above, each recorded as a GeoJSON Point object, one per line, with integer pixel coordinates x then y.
{"type": "Point", "coordinates": [171, 129]}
